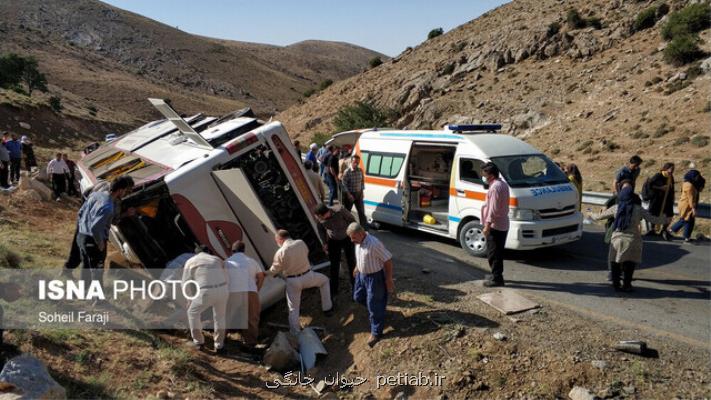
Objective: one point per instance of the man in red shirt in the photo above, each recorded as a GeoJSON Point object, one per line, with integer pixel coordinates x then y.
{"type": "Point", "coordinates": [495, 218]}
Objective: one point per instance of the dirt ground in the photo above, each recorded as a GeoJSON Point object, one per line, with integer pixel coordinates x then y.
{"type": "Point", "coordinates": [435, 327]}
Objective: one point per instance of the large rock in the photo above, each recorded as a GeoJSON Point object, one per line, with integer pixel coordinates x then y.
{"type": "Point", "coordinates": [31, 380]}
{"type": "Point", "coordinates": [706, 65]}
{"type": "Point", "coordinates": [281, 355]}
{"type": "Point", "coordinates": [580, 393]}
{"type": "Point", "coordinates": [39, 187]}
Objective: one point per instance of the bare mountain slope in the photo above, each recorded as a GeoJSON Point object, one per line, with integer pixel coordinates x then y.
{"type": "Point", "coordinates": [100, 56]}
{"type": "Point", "coordinates": [591, 96]}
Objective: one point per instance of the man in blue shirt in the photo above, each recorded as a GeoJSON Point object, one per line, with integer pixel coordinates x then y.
{"type": "Point", "coordinates": [14, 147]}
{"type": "Point", "coordinates": [311, 154]}
{"type": "Point", "coordinates": [94, 222]}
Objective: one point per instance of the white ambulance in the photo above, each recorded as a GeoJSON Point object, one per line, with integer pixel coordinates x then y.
{"type": "Point", "coordinates": [431, 181]}
{"type": "Point", "coordinates": [208, 181]}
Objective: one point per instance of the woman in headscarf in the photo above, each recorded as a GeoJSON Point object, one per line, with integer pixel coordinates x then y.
{"type": "Point", "coordinates": [693, 185]}
{"type": "Point", "coordinates": [576, 178]}
{"type": "Point", "coordinates": [29, 153]}
{"type": "Point", "coordinates": [662, 201]}
{"type": "Point", "coordinates": [626, 242]}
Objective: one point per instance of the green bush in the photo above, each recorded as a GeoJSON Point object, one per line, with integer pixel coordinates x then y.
{"type": "Point", "coordinates": [55, 103]}
{"type": "Point", "coordinates": [448, 69]}
{"type": "Point", "coordinates": [575, 21]}
{"type": "Point", "coordinates": [594, 22]}
{"type": "Point", "coordinates": [8, 258]}
{"type": "Point", "coordinates": [309, 92]}
{"type": "Point", "coordinates": [688, 20]}
{"type": "Point", "coordinates": [92, 111]}
{"type": "Point", "coordinates": [374, 62]}
{"type": "Point", "coordinates": [553, 29]}
{"type": "Point", "coordinates": [645, 20]}
{"type": "Point", "coordinates": [362, 114]}
{"type": "Point", "coordinates": [434, 33]}
{"type": "Point", "coordinates": [700, 141]}
{"type": "Point", "coordinates": [682, 50]}
{"type": "Point", "coordinates": [324, 84]}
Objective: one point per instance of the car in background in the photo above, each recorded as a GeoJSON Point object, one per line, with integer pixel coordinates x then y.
{"type": "Point", "coordinates": [110, 137]}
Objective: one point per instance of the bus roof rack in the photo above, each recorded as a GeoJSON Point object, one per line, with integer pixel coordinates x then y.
{"type": "Point", "coordinates": [473, 128]}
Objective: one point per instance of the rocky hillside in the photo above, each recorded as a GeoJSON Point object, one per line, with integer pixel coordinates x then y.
{"type": "Point", "coordinates": [103, 62]}
{"type": "Point", "coordinates": [593, 95]}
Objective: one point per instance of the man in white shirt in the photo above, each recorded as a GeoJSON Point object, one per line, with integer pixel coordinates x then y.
{"type": "Point", "coordinates": [373, 278]}
{"type": "Point", "coordinates": [315, 179]}
{"type": "Point", "coordinates": [292, 262]}
{"type": "Point", "coordinates": [57, 170]}
{"type": "Point", "coordinates": [209, 273]}
{"type": "Point", "coordinates": [246, 279]}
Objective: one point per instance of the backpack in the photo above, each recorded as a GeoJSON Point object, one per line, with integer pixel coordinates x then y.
{"type": "Point", "coordinates": [647, 192]}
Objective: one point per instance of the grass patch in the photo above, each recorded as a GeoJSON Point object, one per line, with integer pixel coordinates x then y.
{"type": "Point", "coordinates": [178, 359]}
{"type": "Point", "coordinates": [639, 135]}
{"type": "Point", "coordinates": [681, 140]}
{"type": "Point", "coordinates": [662, 130]}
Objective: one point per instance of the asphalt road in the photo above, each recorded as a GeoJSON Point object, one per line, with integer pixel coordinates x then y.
{"type": "Point", "coordinates": [671, 297]}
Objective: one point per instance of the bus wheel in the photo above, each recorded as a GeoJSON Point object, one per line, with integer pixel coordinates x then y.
{"type": "Point", "coordinates": [472, 239]}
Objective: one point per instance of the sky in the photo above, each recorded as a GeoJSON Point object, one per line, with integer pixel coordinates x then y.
{"type": "Point", "coordinates": [387, 26]}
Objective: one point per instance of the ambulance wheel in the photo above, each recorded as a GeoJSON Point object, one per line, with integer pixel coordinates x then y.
{"type": "Point", "coordinates": [472, 239]}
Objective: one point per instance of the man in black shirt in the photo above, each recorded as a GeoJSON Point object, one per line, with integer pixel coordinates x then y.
{"type": "Point", "coordinates": [331, 173]}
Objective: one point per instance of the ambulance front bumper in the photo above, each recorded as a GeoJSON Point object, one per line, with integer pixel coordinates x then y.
{"type": "Point", "coordinates": [526, 235]}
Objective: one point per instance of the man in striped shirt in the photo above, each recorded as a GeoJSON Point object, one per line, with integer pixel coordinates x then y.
{"type": "Point", "coordinates": [373, 278]}
{"type": "Point", "coordinates": [495, 218]}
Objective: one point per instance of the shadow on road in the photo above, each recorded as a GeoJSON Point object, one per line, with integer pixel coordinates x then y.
{"type": "Point", "coordinates": [605, 290]}
{"type": "Point", "coordinates": [590, 253]}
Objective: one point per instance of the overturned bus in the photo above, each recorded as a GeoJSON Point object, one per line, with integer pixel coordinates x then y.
{"type": "Point", "coordinates": [208, 181]}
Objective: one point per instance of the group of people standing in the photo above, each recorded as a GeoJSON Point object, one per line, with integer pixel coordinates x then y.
{"type": "Point", "coordinates": [625, 213]}
{"type": "Point", "coordinates": [12, 151]}
{"type": "Point", "coordinates": [339, 170]}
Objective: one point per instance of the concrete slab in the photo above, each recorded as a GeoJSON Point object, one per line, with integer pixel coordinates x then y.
{"type": "Point", "coordinates": [508, 301]}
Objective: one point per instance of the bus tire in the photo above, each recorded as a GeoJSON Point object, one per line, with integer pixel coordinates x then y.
{"type": "Point", "coordinates": [472, 239]}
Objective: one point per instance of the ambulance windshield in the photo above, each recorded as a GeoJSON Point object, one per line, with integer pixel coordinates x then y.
{"type": "Point", "coordinates": [530, 170]}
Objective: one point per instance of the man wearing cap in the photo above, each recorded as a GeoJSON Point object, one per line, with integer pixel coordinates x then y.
{"type": "Point", "coordinates": [292, 262]}
{"type": "Point", "coordinates": [373, 278]}
{"type": "Point", "coordinates": [332, 226]}
{"type": "Point", "coordinates": [311, 154]}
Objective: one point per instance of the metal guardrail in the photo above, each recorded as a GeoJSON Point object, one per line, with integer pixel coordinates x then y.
{"type": "Point", "coordinates": [599, 199]}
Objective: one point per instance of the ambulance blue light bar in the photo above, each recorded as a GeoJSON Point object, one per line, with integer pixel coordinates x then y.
{"type": "Point", "coordinates": [474, 128]}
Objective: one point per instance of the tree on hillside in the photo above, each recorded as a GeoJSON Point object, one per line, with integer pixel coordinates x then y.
{"type": "Point", "coordinates": [11, 67]}
{"type": "Point", "coordinates": [32, 77]}
{"type": "Point", "coordinates": [362, 114]}
{"type": "Point", "coordinates": [16, 69]}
